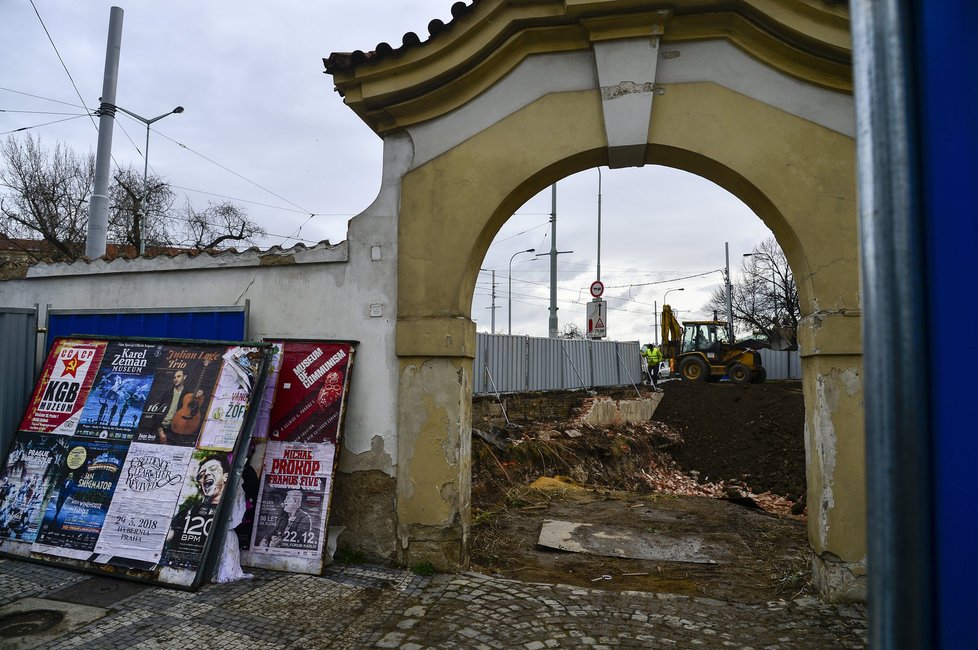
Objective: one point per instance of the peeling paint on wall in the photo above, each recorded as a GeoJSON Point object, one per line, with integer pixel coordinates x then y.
{"type": "Point", "coordinates": [624, 88]}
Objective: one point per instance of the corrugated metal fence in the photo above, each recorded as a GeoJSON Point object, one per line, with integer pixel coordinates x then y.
{"type": "Point", "coordinates": [514, 364]}
{"type": "Point", "coordinates": [781, 365]}
{"type": "Point", "coordinates": [18, 332]}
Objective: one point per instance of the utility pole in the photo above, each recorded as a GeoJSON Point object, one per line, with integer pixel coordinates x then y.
{"type": "Point", "coordinates": [599, 226]}
{"type": "Point", "coordinates": [655, 321]}
{"type": "Point", "coordinates": [553, 261]}
{"type": "Point", "coordinates": [730, 327]}
{"type": "Point", "coordinates": [492, 326]}
{"type": "Point", "coordinates": [98, 215]}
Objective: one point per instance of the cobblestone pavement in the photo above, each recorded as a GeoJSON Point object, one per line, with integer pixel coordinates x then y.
{"type": "Point", "coordinates": [366, 606]}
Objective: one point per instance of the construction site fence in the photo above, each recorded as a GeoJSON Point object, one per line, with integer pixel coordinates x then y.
{"type": "Point", "coordinates": [18, 337]}
{"type": "Point", "coordinates": [516, 364]}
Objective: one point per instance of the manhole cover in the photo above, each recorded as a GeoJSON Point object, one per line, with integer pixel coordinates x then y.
{"type": "Point", "coordinates": [27, 623]}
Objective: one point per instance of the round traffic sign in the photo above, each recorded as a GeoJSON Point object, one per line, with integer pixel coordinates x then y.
{"type": "Point", "coordinates": [597, 288]}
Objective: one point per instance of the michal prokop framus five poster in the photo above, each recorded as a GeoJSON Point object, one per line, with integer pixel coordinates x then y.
{"type": "Point", "coordinates": [114, 475]}
{"type": "Point", "coordinates": [292, 509]}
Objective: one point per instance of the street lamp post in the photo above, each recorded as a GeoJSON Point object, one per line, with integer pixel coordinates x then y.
{"type": "Point", "coordinates": [142, 216]}
{"type": "Point", "coordinates": [599, 225]}
{"type": "Point", "coordinates": [670, 291]}
{"type": "Point", "coordinates": [510, 295]}
{"type": "Point", "coordinates": [664, 296]}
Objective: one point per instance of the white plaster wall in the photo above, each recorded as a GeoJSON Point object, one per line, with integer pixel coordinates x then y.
{"type": "Point", "coordinates": [328, 292]}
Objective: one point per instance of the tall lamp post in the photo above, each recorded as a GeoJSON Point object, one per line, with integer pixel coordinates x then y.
{"type": "Point", "coordinates": [142, 216]}
{"type": "Point", "coordinates": [599, 225]}
{"type": "Point", "coordinates": [664, 296]}
{"type": "Point", "coordinates": [509, 305]}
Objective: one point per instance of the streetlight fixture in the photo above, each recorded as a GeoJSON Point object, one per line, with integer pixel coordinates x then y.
{"type": "Point", "coordinates": [656, 314]}
{"type": "Point", "coordinates": [147, 122]}
{"type": "Point", "coordinates": [509, 307]}
{"type": "Point", "coordinates": [774, 285]}
{"type": "Point", "coordinates": [670, 291]}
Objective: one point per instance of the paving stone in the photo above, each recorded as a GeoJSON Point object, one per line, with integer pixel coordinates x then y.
{"type": "Point", "coordinates": [372, 606]}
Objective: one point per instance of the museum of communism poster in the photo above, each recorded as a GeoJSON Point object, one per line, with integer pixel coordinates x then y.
{"type": "Point", "coordinates": [125, 456]}
{"type": "Point", "coordinates": [293, 455]}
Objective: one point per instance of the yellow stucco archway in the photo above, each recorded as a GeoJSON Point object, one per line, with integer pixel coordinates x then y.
{"type": "Point", "coordinates": [512, 96]}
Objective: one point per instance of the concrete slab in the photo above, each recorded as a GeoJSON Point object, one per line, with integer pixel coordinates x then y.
{"type": "Point", "coordinates": [660, 545]}
{"type": "Point", "coordinates": [29, 622]}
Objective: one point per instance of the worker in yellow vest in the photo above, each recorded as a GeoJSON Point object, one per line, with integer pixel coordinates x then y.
{"type": "Point", "coordinates": [653, 356]}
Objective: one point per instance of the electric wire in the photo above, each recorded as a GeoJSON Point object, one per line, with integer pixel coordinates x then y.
{"type": "Point", "coordinates": [51, 40]}
{"type": "Point", "coordinates": [229, 170]}
{"type": "Point", "coordinates": [47, 99]}
{"type": "Point", "coordinates": [11, 110]}
{"type": "Point", "coordinates": [37, 126]}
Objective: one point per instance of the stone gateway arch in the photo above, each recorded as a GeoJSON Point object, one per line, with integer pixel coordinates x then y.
{"type": "Point", "coordinates": [508, 97]}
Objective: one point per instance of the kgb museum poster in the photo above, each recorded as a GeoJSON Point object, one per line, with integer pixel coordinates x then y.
{"type": "Point", "coordinates": [124, 460]}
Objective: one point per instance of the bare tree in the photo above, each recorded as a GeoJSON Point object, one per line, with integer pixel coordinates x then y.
{"type": "Point", "coordinates": [218, 223]}
{"type": "Point", "coordinates": [45, 195]}
{"type": "Point", "coordinates": [765, 302]}
{"type": "Point", "coordinates": [571, 331]}
{"type": "Point", "coordinates": [139, 212]}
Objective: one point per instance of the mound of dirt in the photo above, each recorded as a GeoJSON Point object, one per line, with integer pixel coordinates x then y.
{"type": "Point", "coordinates": [708, 450]}
{"type": "Point", "coordinates": [752, 433]}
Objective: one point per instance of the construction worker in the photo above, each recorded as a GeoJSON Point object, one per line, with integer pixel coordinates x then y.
{"type": "Point", "coordinates": [654, 359]}
{"type": "Point", "coordinates": [646, 353]}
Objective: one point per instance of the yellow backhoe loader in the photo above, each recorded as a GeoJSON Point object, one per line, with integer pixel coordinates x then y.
{"type": "Point", "coordinates": [700, 350]}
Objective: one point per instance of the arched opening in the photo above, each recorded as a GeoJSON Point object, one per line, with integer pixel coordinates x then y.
{"type": "Point", "coordinates": [540, 458]}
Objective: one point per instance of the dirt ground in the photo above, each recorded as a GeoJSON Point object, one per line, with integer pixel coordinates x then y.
{"type": "Point", "coordinates": [723, 464]}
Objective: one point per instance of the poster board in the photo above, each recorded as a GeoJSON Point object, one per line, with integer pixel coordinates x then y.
{"type": "Point", "coordinates": [294, 454]}
{"type": "Point", "coordinates": [110, 471]}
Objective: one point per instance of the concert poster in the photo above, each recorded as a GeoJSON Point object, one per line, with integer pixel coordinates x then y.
{"type": "Point", "coordinates": [293, 503]}
{"type": "Point", "coordinates": [115, 403]}
{"type": "Point", "coordinates": [178, 397]}
{"type": "Point", "coordinates": [142, 507]}
{"type": "Point", "coordinates": [207, 478]}
{"type": "Point", "coordinates": [311, 391]}
{"type": "Point", "coordinates": [226, 411]}
{"type": "Point", "coordinates": [65, 382]}
{"type": "Point", "coordinates": [268, 396]}
{"type": "Point", "coordinates": [77, 508]}
{"type": "Point", "coordinates": [256, 448]}
{"type": "Point", "coordinates": [31, 472]}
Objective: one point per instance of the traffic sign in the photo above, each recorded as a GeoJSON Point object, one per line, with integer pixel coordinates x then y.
{"type": "Point", "coordinates": [597, 319]}
{"type": "Point", "coordinates": [597, 288]}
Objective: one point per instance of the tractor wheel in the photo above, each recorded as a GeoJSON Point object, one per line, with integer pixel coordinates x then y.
{"type": "Point", "coordinates": [739, 373]}
{"type": "Point", "coordinates": [758, 376]}
{"type": "Point", "coordinates": [693, 369]}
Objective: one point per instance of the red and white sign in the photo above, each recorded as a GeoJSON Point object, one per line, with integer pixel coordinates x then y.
{"type": "Point", "coordinates": [597, 289]}
{"type": "Point", "coordinates": [597, 319]}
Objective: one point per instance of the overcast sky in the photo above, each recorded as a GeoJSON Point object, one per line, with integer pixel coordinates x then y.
{"type": "Point", "coordinates": [263, 127]}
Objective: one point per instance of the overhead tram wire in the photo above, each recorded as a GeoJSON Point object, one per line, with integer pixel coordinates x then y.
{"type": "Point", "coordinates": [242, 177]}
{"type": "Point", "coordinates": [67, 72]}
{"type": "Point", "coordinates": [37, 126]}
{"type": "Point", "coordinates": [12, 110]}
{"type": "Point", "coordinates": [47, 99]}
